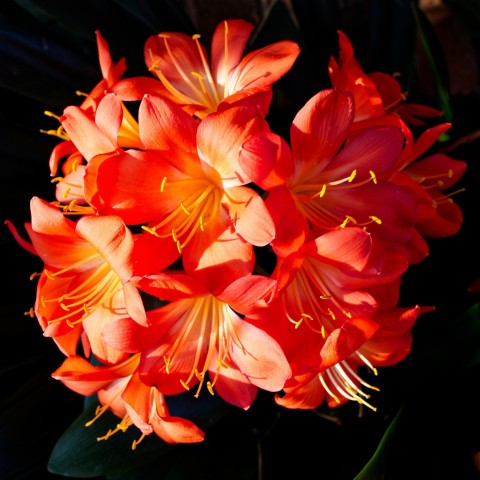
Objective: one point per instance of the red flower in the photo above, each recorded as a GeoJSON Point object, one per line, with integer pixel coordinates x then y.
{"type": "Point", "coordinates": [120, 390]}
{"type": "Point", "coordinates": [200, 332]}
{"type": "Point", "coordinates": [187, 186]}
{"type": "Point", "coordinates": [84, 283]}
{"type": "Point", "coordinates": [326, 180]}
{"type": "Point", "coordinates": [182, 65]}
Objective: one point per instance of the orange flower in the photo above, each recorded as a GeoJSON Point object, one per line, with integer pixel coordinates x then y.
{"type": "Point", "coordinates": [327, 180]}
{"type": "Point", "coordinates": [125, 134]}
{"type": "Point", "coordinates": [182, 65]}
{"type": "Point", "coordinates": [84, 283]}
{"type": "Point", "coordinates": [200, 332]}
{"type": "Point", "coordinates": [120, 390]}
{"type": "Point", "coordinates": [187, 186]}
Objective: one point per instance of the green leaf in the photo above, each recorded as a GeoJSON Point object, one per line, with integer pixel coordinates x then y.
{"type": "Point", "coordinates": [435, 60]}
{"type": "Point", "coordinates": [78, 453]}
{"type": "Point", "coordinates": [426, 419]}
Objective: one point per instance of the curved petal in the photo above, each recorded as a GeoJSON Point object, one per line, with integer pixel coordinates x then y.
{"type": "Point", "coordinates": [320, 128]}
{"type": "Point", "coordinates": [220, 136]}
{"type": "Point", "coordinates": [249, 215]}
{"type": "Point", "coordinates": [85, 134]}
{"type": "Point", "coordinates": [259, 357]}
{"type": "Point", "coordinates": [344, 341]}
{"type": "Point", "coordinates": [264, 66]}
{"type": "Point", "coordinates": [234, 387]}
{"type": "Point", "coordinates": [267, 159]}
{"type": "Point", "coordinates": [165, 126]}
{"type": "Point", "coordinates": [228, 43]}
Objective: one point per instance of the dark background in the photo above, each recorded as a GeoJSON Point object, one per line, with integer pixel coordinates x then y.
{"type": "Point", "coordinates": [48, 51]}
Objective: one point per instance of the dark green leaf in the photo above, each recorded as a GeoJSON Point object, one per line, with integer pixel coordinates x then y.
{"type": "Point", "coordinates": [78, 453]}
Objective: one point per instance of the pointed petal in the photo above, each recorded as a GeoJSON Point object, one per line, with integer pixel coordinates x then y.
{"type": "Point", "coordinates": [321, 126]}
{"type": "Point", "coordinates": [259, 357]}
{"type": "Point", "coordinates": [220, 137]}
{"type": "Point", "coordinates": [250, 216]}
{"type": "Point", "coordinates": [347, 339]}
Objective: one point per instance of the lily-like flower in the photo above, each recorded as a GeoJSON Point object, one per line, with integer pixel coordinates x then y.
{"type": "Point", "coordinates": [200, 337]}
{"type": "Point", "coordinates": [326, 180]}
{"type": "Point", "coordinates": [187, 187]}
{"type": "Point", "coordinates": [379, 99]}
{"type": "Point", "coordinates": [84, 282]}
{"type": "Point", "coordinates": [120, 390]}
{"type": "Point", "coordinates": [200, 85]}
{"type": "Point", "coordinates": [125, 134]}
{"type": "Point", "coordinates": [357, 345]}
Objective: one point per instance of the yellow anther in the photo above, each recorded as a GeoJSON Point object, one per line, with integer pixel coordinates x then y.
{"type": "Point", "coordinates": [331, 314]}
{"type": "Point", "coordinates": [162, 185]}
{"type": "Point", "coordinates": [179, 246]}
{"type": "Point", "coordinates": [71, 205]}
{"type": "Point", "coordinates": [71, 325]}
{"type": "Point", "coordinates": [352, 176]}
{"type": "Point", "coordinates": [164, 35]}
{"type": "Point", "coordinates": [74, 165]}
{"type": "Point", "coordinates": [56, 179]}
{"type": "Point", "coordinates": [375, 219]}
{"type": "Point", "coordinates": [196, 36]}
{"type": "Point", "coordinates": [81, 94]}
{"type": "Point", "coordinates": [184, 208]}
{"type": "Point", "coordinates": [374, 177]}
{"type": "Point", "coordinates": [50, 114]}
{"type": "Point", "coordinates": [323, 190]}
{"type": "Point", "coordinates": [322, 331]}
{"type": "Point", "coordinates": [198, 75]}
{"type": "Point", "coordinates": [150, 230]}
{"type": "Point", "coordinates": [325, 297]}
{"type": "Point", "coordinates": [202, 225]}
{"type": "Point", "coordinates": [135, 443]}
{"type": "Point", "coordinates": [30, 313]}
{"type": "Point", "coordinates": [33, 275]}
{"type": "Point", "coordinates": [210, 388]}
{"type": "Point", "coordinates": [174, 236]}
{"type": "Point", "coordinates": [220, 363]}
{"type": "Point", "coordinates": [66, 192]}
{"type": "Point", "coordinates": [184, 385]}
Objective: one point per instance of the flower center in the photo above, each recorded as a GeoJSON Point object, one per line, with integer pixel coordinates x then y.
{"type": "Point", "coordinates": [196, 88]}
{"type": "Point", "coordinates": [309, 297]}
{"type": "Point", "coordinates": [312, 200]}
{"type": "Point", "coordinates": [198, 207]}
{"type": "Point", "coordinates": [207, 323]}
{"type": "Point", "coordinates": [96, 286]}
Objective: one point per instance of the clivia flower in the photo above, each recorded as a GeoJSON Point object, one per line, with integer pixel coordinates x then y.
{"type": "Point", "coordinates": [325, 180]}
{"type": "Point", "coordinates": [120, 390]}
{"type": "Point", "coordinates": [186, 187]}
{"type": "Point", "coordinates": [201, 85]}
{"type": "Point", "coordinates": [84, 282]}
{"type": "Point", "coordinates": [200, 338]}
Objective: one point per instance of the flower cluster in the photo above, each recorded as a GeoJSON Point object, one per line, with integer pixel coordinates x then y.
{"type": "Point", "coordinates": [190, 247]}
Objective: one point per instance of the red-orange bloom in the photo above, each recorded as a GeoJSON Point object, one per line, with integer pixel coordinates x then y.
{"type": "Point", "coordinates": [69, 184]}
{"type": "Point", "coordinates": [187, 186]}
{"type": "Point", "coordinates": [200, 332]}
{"type": "Point", "coordinates": [84, 283]}
{"type": "Point", "coordinates": [327, 180]}
{"type": "Point", "coordinates": [120, 390]}
{"type": "Point", "coordinates": [182, 65]}
{"type": "Point", "coordinates": [379, 99]}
